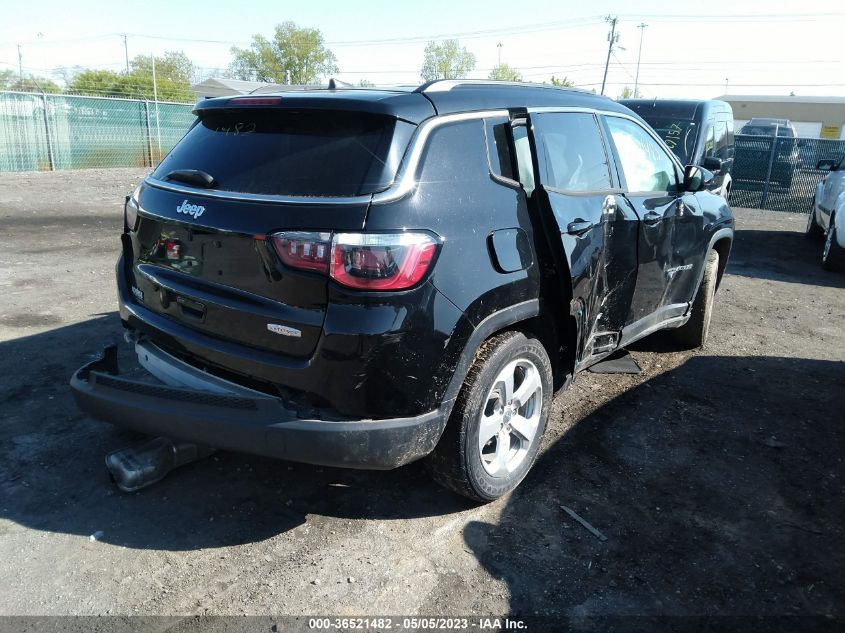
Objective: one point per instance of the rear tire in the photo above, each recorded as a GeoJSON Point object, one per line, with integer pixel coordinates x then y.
{"type": "Point", "coordinates": [833, 255]}
{"type": "Point", "coordinates": [497, 424]}
{"type": "Point", "coordinates": [694, 332]}
{"type": "Point", "coordinates": [813, 230]}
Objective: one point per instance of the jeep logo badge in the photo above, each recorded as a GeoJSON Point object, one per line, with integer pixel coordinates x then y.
{"type": "Point", "coordinates": [193, 210]}
{"type": "Point", "coordinates": [284, 329]}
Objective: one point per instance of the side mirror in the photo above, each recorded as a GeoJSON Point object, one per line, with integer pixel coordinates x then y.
{"type": "Point", "coordinates": [696, 178]}
{"type": "Point", "coordinates": [712, 163]}
{"type": "Point", "coordinates": [826, 164]}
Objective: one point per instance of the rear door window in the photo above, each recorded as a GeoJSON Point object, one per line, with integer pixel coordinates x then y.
{"type": "Point", "coordinates": [297, 153]}
{"type": "Point", "coordinates": [573, 152]}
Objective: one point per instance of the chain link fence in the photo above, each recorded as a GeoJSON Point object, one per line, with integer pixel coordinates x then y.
{"type": "Point", "coordinates": [43, 132]}
{"type": "Point", "coordinates": [779, 173]}
{"type": "Point", "coordinates": [47, 132]}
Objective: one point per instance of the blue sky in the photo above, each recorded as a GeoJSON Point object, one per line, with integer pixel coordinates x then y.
{"type": "Point", "coordinates": [759, 47]}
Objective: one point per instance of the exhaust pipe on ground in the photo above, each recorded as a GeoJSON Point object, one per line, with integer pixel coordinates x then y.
{"type": "Point", "coordinates": [146, 463]}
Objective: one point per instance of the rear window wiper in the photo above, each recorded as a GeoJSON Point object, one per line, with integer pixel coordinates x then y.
{"type": "Point", "coordinates": [192, 177]}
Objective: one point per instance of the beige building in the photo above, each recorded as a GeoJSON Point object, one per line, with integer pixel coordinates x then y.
{"type": "Point", "coordinates": [813, 117]}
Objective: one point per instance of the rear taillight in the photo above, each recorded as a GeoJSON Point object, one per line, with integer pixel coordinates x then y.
{"type": "Point", "coordinates": [377, 261]}
{"type": "Point", "coordinates": [305, 251]}
{"type": "Point", "coordinates": [364, 261]}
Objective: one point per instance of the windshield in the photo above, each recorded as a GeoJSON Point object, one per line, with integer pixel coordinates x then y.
{"type": "Point", "coordinates": [297, 153]}
{"type": "Point", "coordinates": [678, 134]}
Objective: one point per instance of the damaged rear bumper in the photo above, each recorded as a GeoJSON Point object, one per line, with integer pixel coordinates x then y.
{"type": "Point", "coordinates": [248, 421]}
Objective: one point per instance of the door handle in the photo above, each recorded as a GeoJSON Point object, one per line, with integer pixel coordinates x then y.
{"type": "Point", "coordinates": [578, 227]}
{"type": "Point", "coordinates": [652, 217]}
{"type": "Point", "coordinates": [191, 309]}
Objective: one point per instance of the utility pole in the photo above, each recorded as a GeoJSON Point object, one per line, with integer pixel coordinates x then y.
{"type": "Point", "coordinates": [641, 27]}
{"type": "Point", "coordinates": [20, 63]}
{"type": "Point", "coordinates": [499, 46]}
{"type": "Point", "coordinates": [126, 52]}
{"type": "Point", "coordinates": [612, 38]}
{"type": "Point", "coordinates": [155, 98]}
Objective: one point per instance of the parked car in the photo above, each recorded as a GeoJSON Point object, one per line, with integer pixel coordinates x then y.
{"type": "Point", "coordinates": [754, 155]}
{"type": "Point", "coordinates": [363, 278]}
{"type": "Point", "coordinates": [827, 215]}
{"type": "Point", "coordinates": [699, 132]}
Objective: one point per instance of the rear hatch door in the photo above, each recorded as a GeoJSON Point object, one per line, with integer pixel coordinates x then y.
{"type": "Point", "coordinates": [202, 255]}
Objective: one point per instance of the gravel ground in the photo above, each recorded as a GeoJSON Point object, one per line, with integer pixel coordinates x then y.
{"type": "Point", "coordinates": [716, 476]}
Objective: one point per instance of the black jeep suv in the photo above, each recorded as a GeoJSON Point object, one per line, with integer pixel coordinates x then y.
{"type": "Point", "coordinates": [363, 278]}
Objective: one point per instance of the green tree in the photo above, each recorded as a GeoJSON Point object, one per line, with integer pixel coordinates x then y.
{"type": "Point", "coordinates": [173, 79]}
{"type": "Point", "coordinates": [7, 79]}
{"type": "Point", "coordinates": [561, 82]}
{"type": "Point", "coordinates": [446, 60]}
{"type": "Point", "coordinates": [35, 84]}
{"type": "Point", "coordinates": [503, 72]}
{"type": "Point", "coordinates": [96, 82]}
{"type": "Point", "coordinates": [627, 93]}
{"type": "Point", "coordinates": [173, 66]}
{"type": "Point", "coordinates": [174, 71]}
{"type": "Point", "coordinates": [366, 83]}
{"type": "Point", "coordinates": [302, 52]}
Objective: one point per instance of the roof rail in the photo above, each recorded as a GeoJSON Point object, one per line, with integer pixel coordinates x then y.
{"type": "Point", "coordinates": [445, 85]}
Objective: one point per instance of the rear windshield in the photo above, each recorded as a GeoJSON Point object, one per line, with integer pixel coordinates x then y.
{"type": "Point", "coordinates": [283, 152]}
{"type": "Point", "coordinates": [767, 130]}
{"type": "Point", "coordinates": [678, 134]}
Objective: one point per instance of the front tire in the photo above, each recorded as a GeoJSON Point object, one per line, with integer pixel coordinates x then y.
{"type": "Point", "coordinates": [494, 433]}
{"type": "Point", "coordinates": [833, 255]}
{"type": "Point", "coordinates": [694, 332]}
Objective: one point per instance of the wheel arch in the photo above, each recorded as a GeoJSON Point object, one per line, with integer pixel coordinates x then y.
{"type": "Point", "coordinates": [722, 245]}
{"type": "Point", "coordinates": [534, 318]}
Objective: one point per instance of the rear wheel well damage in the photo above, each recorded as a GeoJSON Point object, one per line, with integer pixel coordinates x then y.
{"type": "Point", "coordinates": [557, 335]}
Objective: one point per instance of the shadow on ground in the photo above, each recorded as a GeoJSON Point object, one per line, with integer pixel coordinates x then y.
{"type": "Point", "coordinates": [714, 501]}
{"type": "Point", "coordinates": [53, 478]}
{"type": "Point", "coordinates": [781, 256]}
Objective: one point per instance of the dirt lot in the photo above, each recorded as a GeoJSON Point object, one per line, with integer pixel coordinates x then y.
{"type": "Point", "coordinates": [717, 477]}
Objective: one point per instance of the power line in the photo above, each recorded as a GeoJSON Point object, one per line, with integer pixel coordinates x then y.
{"type": "Point", "coordinates": [622, 66]}
{"type": "Point", "coordinates": [516, 29]}
{"type": "Point", "coordinates": [747, 17]}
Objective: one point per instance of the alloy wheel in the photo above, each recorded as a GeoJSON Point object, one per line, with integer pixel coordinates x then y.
{"type": "Point", "coordinates": [510, 417]}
